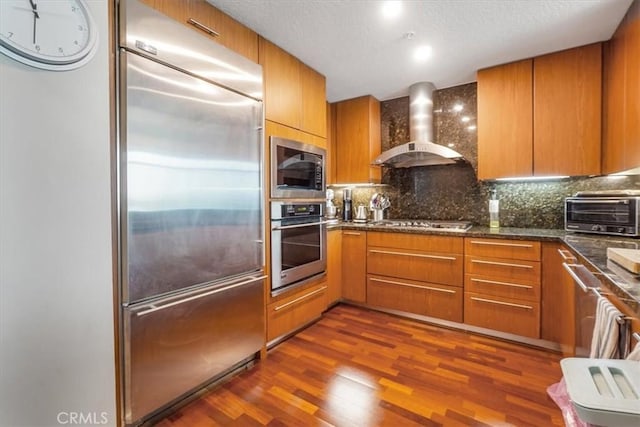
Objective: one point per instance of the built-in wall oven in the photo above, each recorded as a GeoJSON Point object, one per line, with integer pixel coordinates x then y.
{"type": "Point", "coordinates": [298, 242]}
{"type": "Point", "coordinates": [297, 170]}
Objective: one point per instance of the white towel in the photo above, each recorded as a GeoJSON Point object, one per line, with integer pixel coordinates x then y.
{"type": "Point", "coordinates": [606, 331]}
{"type": "Point", "coordinates": [635, 353]}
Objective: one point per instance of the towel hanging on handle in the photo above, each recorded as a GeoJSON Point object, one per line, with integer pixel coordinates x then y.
{"type": "Point", "coordinates": [610, 338]}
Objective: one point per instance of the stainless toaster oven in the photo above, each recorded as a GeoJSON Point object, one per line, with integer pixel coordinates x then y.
{"type": "Point", "coordinates": [603, 212]}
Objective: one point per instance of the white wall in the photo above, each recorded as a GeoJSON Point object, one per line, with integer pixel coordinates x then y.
{"type": "Point", "coordinates": [56, 322]}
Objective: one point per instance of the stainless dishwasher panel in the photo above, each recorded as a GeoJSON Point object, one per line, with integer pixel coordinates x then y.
{"type": "Point", "coordinates": [178, 343]}
{"type": "Point", "coordinates": [585, 306]}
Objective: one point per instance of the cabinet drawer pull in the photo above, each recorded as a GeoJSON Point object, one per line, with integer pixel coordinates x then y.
{"type": "Point", "coordinates": [504, 264]}
{"type": "Point", "coordinates": [490, 301]}
{"type": "Point", "coordinates": [351, 233]}
{"type": "Point", "coordinates": [300, 298]}
{"type": "Point", "coordinates": [513, 245]}
{"type": "Point", "coordinates": [493, 282]}
{"type": "Point", "coordinates": [565, 257]}
{"type": "Point", "coordinates": [448, 258]}
{"type": "Point", "coordinates": [201, 26]}
{"type": "Point", "coordinates": [409, 285]}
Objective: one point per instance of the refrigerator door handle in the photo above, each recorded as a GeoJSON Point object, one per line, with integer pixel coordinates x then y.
{"type": "Point", "coordinates": [157, 307]}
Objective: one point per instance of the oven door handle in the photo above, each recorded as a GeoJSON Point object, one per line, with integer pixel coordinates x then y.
{"type": "Point", "coordinates": [306, 224]}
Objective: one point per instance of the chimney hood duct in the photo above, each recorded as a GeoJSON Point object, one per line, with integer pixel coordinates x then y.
{"type": "Point", "coordinates": [420, 151]}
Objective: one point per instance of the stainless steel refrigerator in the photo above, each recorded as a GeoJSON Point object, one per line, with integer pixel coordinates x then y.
{"type": "Point", "coordinates": [190, 209]}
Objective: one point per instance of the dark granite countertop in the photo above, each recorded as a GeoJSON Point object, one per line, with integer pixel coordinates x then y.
{"type": "Point", "coordinates": [591, 248]}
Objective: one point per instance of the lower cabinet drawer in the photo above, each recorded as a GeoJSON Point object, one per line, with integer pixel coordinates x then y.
{"type": "Point", "coordinates": [288, 314]}
{"type": "Point", "coordinates": [434, 300]}
{"type": "Point", "coordinates": [516, 289]}
{"type": "Point", "coordinates": [502, 314]}
{"type": "Point", "coordinates": [444, 268]}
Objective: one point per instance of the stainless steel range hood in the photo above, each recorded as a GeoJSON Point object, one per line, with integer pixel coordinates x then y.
{"type": "Point", "coordinates": [420, 151]}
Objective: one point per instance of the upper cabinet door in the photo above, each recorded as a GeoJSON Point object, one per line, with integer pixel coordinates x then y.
{"type": "Point", "coordinates": [229, 32]}
{"type": "Point", "coordinates": [357, 140]}
{"type": "Point", "coordinates": [621, 145]}
{"type": "Point", "coordinates": [505, 119]}
{"type": "Point", "coordinates": [295, 95]}
{"type": "Point", "coordinates": [282, 85]}
{"type": "Point", "coordinates": [314, 101]}
{"type": "Point", "coordinates": [613, 104]}
{"type": "Point", "coordinates": [567, 110]}
{"type": "Point", "coordinates": [632, 79]}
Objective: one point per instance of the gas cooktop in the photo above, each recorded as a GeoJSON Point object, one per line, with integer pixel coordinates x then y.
{"type": "Point", "coordinates": [423, 223]}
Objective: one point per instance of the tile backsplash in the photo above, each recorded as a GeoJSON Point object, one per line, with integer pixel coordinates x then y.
{"type": "Point", "coordinates": [453, 192]}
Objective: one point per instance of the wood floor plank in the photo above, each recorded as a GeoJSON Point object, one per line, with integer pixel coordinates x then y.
{"type": "Point", "coordinates": [357, 367]}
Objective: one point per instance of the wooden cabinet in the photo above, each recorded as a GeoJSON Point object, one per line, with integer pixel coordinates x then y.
{"type": "Point", "coordinates": [295, 95]}
{"type": "Point", "coordinates": [567, 111]}
{"type": "Point", "coordinates": [416, 274]}
{"type": "Point", "coordinates": [314, 101]}
{"type": "Point", "coordinates": [354, 265]}
{"type": "Point", "coordinates": [230, 33]}
{"type": "Point", "coordinates": [557, 318]}
{"type": "Point", "coordinates": [505, 120]}
{"type": "Point", "coordinates": [357, 136]}
{"type": "Point", "coordinates": [621, 144]}
{"type": "Point", "coordinates": [541, 116]}
{"type": "Point", "coordinates": [334, 266]}
{"type": "Point", "coordinates": [295, 309]}
{"type": "Point", "coordinates": [330, 164]}
{"type": "Point", "coordinates": [502, 281]}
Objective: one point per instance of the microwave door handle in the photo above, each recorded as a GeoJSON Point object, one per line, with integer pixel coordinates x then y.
{"type": "Point", "coordinates": [603, 202]}
{"type": "Point", "coordinates": [306, 224]}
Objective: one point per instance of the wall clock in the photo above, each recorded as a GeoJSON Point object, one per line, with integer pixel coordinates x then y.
{"type": "Point", "coordinates": [54, 35]}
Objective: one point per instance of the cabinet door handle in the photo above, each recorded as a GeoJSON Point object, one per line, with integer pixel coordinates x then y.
{"type": "Point", "coordinates": [574, 276]}
{"type": "Point", "coordinates": [409, 285]}
{"type": "Point", "coordinates": [201, 26]}
{"type": "Point", "coordinates": [493, 282]}
{"type": "Point", "coordinates": [448, 258]}
{"type": "Point", "coordinates": [351, 233]}
{"type": "Point", "coordinates": [503, 264]}
{"type": "Point", "coordinates": [513, 245]}
{"type": "Point", "coordinates": [490, 301]}
{"type": "Point", "coordinates": [300, 298]}
{"type": "Point", "coordinates": [565, 257]}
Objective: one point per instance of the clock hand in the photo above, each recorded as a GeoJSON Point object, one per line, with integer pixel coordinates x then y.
{"type": "Point", "coordinates": [34, 8]}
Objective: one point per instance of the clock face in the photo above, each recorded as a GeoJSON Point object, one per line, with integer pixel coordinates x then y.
{"type": "Point", "coordinates": [49, 34]}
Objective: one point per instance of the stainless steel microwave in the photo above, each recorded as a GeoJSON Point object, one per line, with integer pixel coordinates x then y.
{"type": "Point", "coordinates": [603, 213]}
{"type": "Point", "coordinates": [297, 170]}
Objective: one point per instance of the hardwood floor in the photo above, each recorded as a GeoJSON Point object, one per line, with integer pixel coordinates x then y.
{"type": "Point", "coordinates": [357, 367]}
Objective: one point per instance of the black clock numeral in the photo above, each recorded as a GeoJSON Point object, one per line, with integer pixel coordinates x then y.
{"type": "Point", "coordinates": [80, 27]}
{"type": "Point", "coordinates": [38, 47]}
{"type": "Point", "coordinates": [60, 50]}
{"type": "Point", "coordinates": [75, 42]}
{"type": "Point", "coordinates": [73, 8]}
{"type": "Point", "coordinates": [9, 34]}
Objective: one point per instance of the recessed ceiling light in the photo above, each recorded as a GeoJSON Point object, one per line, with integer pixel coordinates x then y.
{"type": "Point", "coordinates": [458, 107]}
{"type": "Point", "coordinates": [472, 127]}
{"type": "Point", "coordinates": [422, 53]}
{"type": "Point", "coordinates": [451, 145]}
{"type": "Point", "coordinates": [465, 119]}
{"type": "Point", "coordinates": [391, 9]}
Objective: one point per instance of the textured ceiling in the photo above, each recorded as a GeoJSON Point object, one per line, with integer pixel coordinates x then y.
{"type": "Point", "coordinates": [361, 53]}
